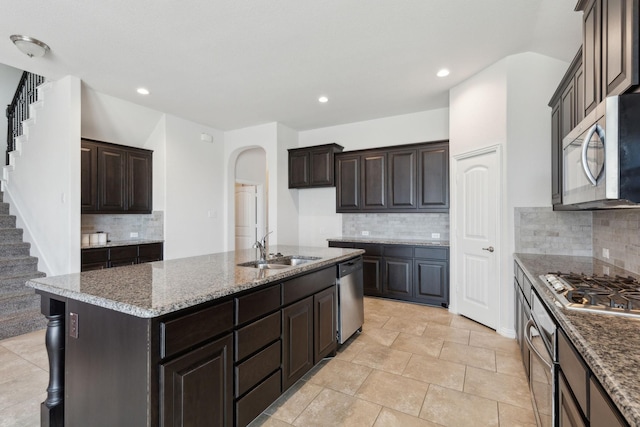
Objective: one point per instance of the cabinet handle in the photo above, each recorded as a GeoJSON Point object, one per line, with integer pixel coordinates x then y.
{"type": "Point", "coordinates": [490, 249]}
{"type": "Point", "coordinates": [585, 147]}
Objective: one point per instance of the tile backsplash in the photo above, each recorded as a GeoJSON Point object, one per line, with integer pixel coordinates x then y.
{"type": "Point", "coordinates": [120, 227]}
{"type": "Point", "coordinates": [619, 232]}
{"type": "Point", "coordinates": [397, 225]}
{"type": "Point", "coordinates": [544, 231]}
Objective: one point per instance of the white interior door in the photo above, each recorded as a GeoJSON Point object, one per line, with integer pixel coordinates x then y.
{"type": "Point", "coordinates": [477, 235]}
{"type": "Point", "coordinates": [246, 216]}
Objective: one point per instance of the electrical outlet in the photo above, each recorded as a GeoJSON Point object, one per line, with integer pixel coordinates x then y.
{"type": "Point", "coordinates": [605, 253]}
{"type": "Point", "coordinates": [605, 270]}
{"type": "Point", "coordinates": [73, 325]}
{"type": "Point", "coordinates": [365, 233]}
{"type": "Point", "coordinates": [435, 235]}
{"type": "Point", "coordinates": [133, 234]}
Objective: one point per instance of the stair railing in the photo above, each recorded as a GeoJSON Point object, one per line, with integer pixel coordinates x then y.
{"type": "Point", "coordinates": [18, 110]}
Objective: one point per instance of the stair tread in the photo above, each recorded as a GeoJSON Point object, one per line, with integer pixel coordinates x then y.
{"type": "Point", "coordinates": [20, 323]}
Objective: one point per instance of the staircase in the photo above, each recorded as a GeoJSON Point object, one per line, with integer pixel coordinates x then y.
{"type": "Point", "coordinates": [19, 305]}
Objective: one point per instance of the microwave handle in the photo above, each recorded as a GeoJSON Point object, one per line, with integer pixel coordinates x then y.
{"type": "Point", "coordinates": [585, 146]}
{"type": "Point", "coordinates": [527, 338]}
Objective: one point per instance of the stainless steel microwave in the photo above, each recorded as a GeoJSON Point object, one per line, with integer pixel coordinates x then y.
{"type": "Point", "coordinates": [601, 157]}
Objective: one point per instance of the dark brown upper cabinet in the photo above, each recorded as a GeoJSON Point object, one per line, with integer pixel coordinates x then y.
{"type": "Point", "coordinates": [408, 178]}
{"type": "Point", "coordinates": [312, 166]}
{"type": "Point", "coordinates": [610, 49]}
{"type": "Point", "coordinates": [115, 178]}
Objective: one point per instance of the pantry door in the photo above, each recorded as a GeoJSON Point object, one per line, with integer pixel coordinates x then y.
{"type": "Point", "coordinates": [477, 229]}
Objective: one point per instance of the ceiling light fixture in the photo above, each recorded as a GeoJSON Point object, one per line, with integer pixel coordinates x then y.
{"type": "Point", "coordinates": [443, 73]}
{"type": "Point", "coordinates": [143, 91]}
{"type": "Point", "coordinates": [323, 99]}
{"type": "Point", "coordinates": [30, 46]}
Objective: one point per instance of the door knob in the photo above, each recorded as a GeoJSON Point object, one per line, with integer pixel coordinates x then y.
{"type": "Point", "coordinates": [490, 249]}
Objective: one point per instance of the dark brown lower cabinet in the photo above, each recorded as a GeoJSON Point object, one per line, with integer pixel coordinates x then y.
{"type": "Point", "coordinates": [431, 282]}
{"type": "Point", "coordinates": [398, 277]}
{"type": "Point", "coordinates": [372, 275]}
{"type": "Point", "coordinates": [568, 412]}
{"type": "Point", "coordinates": [601, 410]}
{"type": "Point", "coordinates": [119, 256]}
{"type": "Point", "coordinates": [324, 325]}
{"type": "Point", "coordinates": [297, 341]}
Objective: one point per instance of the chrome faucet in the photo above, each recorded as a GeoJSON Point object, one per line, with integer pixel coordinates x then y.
{"type": "Point", "coordinates": [263, 247]}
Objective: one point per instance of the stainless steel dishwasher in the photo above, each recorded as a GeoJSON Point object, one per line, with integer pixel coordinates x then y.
{"type": "Point", "coordinates": [350, 299]}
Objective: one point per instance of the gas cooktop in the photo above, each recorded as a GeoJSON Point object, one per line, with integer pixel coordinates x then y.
{"type": "Point", "coordinates": [601, 294]}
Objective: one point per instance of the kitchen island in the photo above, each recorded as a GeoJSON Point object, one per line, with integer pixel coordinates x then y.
{"type": "Point", "coordinates": [198, 340]}
{"type": "Point", "coordinates": [608, 344]}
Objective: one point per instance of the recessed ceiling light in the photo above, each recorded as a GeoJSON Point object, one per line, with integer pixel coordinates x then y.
{"type": "Point", "coordinates": [323, 99]}
{"type": "Point", "coordinates": [143, 91]}
{"type": "Point", "coordinates": [443, 73]}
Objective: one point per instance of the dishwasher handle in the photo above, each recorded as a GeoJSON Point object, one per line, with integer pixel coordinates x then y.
{"type": "Point", "coordinates": [348, 267]}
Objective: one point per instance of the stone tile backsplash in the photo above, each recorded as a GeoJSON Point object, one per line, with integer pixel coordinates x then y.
{"type": "Point", "coordinates": [544, 231]}
{"type": "Point", "coordinates": [119, 227]}
{"type": "Point", "coordinates": [401, 226]}
{"type": "Point", "coordinates": [619, 232]}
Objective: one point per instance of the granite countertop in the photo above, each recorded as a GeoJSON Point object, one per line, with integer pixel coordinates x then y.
{"type": "Point", "coordinates": [162, 287]}
{"type": "Point", "coordinates": [115, 243]}
{"type": "Point", "coordinates": [609, 344]}
{"type": "Point", "coordinates": [391, 241]}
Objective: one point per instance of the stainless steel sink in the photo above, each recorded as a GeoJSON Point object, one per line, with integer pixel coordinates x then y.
{"type": "Point", "coordinates": [280, 262]}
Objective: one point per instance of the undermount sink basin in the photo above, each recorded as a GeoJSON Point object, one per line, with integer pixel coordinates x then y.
{"type": "Point", "coordinates": [279, 263]}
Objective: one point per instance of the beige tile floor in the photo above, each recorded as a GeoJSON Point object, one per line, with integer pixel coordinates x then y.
{"type": "Point", "coordinates": [412, 365]}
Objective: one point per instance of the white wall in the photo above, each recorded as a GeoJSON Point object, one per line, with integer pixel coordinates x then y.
{"type": "Point", "coordinates": [506, 105]}
{"type": "Point", "coordinates": [194, 199]}
{"type": "Point", "coordinates": [44, 188]}
{"type": "Point", "coordinates": [318, 219]}
{"type": "Point", "coordinates": [251, 166]}
{"type": "Point", "coordinates": [9, 78]}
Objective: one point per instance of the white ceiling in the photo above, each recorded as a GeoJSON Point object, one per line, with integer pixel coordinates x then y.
{"type": "Point", "coordinates": [230, 64]}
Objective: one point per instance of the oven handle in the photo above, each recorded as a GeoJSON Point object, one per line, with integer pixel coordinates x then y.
{"type": "Point", "coordinates": [585, 147]}
{"type": "Point", "coordinates": [527, 338]}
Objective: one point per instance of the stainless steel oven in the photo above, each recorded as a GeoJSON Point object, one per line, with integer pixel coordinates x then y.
{"type": "Point", "coordinates": [540, 338]}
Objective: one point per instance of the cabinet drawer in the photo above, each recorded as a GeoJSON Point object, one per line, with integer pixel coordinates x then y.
{"type": "Point", "coordinates": [574, 370]}
{"type": "Point", "coordinates": [257, 304]}
{"type": "Point", "coordinates": [298, 288]}
{"type": "Point", "coordinates": [123, 252]}
{"type": "Point", "coordinates": [602, 412]}
{"type": "Point", "coordinates": [370, 249]}
{"type": "Point", "coordinates": [94, 256]}
{"type": "Point", "coordinates": [256, 368]}
{"type": "Point", "coordinates": [181, 333]}
{"type": "Point", "coordinates": [256, 335]}
{"type": "Point", "coordinates": [432, 253]}
{"type": "Point", "coordinates": [258, 399]}
{"type": "Point", "coordinates": [341, 244]}
{"type": "Point", "coordinates": [150, 252]}
{"type": "Point", "coordinates": [398, 251]}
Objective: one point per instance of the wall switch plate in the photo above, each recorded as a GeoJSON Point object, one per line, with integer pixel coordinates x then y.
{"type": "Point", "coordinates": [605, 253]}
{"type": "Point", "coordinates": [605, 270]}
{"type": "Point", "coordinates": [133, 234]}
{"type": "Point", "coordinates": [435, 235]}
{"type": "Point", "coordinates": [73, 325]}
{"type": "Point", "coordinates": [365, 233]}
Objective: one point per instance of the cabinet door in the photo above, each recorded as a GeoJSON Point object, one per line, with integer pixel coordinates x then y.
{"type": "Point", "coordinates": [348, 183]}
{"type": "Point", "coordinates": [433, 178]}
{"type": "Point", "coordinates": [298, 169]}
{"type": "Point", "coordinates": [150, 252]}
{"type": "Point", "coordinates": [568, 412]}
{"type": "Point", "coordinates": [139, 178]}
{"type": "Point", "coordinates": [88, 177]}
{"type": "Point", "coordinates": [619, 54]}
{"type": "Point", "coordinates": [556, 156]}
{"type": "Point", "coordinates": [591, 55]}
{"type": "Point", "coordinates": [398, 277]}
{"type": "Point", "coordinates": [321, 162]}
{"type": "Point", "coordinates": [578, 82]}
{"type": "Point", "coordinates": [402, 179]}
{"type": "Point", "coordinates": [374, 181]}
{"type": "Point", "coordinates": [187, 380]}
{"type": "Point", "coordinates": [372, 275]}
{"type": "Point", "coordinates": [567, 113]}
{"type": "Point", "coordinates": [602, 412]}
{"type": "Point", "coordinates": [297, 341]}
{"type": "Point", "coordinates": [431, 282]}
{"type": "Point", "coordinates": [324, 325]}
{"type": "Point", "coordinates": [111, 179]}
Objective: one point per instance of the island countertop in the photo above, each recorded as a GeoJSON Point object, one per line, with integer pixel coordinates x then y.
{"type": "Point", "coordinates": [158, 288]}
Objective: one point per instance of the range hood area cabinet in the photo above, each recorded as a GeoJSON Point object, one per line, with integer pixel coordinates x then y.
{"type": "Point", "coordinates": [115, 178]}
{"type": "Point", "coordinates": [312, 167]}
{"type": "Point", "coordinates": [402, 179]}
